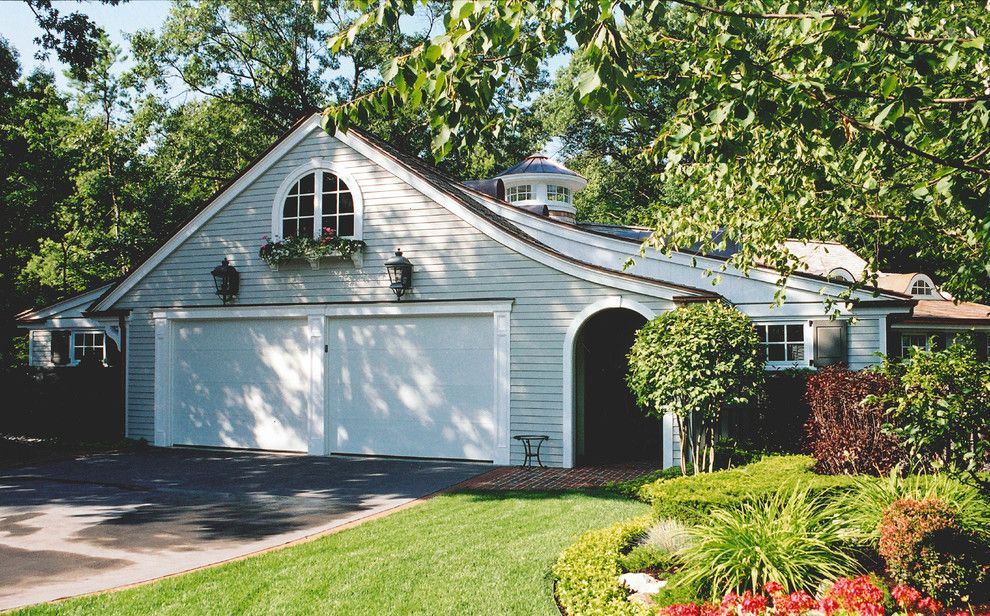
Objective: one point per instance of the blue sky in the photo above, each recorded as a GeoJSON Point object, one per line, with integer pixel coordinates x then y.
{"type": "Point", "coordinates": [19, 27]}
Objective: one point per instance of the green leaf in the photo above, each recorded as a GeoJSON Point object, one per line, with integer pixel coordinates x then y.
{"type": "Point", "coordinates": [461, 9]}
{"type": "Point", "coordinates": [587, 82]}
{"type": "Point", "coordinates": [433, 53]}
{"type": "Point", "coordinates": [391, 70]}
{"type": "Point", "coordinates": [888, 85]}
{"type": "Point", "coordinates": [975, 43]}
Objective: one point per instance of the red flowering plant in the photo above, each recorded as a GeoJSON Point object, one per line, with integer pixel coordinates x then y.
{"type": "Point", "coordinates": [277, 251]}
{"type": "Point", "coordinates": [858, 596]}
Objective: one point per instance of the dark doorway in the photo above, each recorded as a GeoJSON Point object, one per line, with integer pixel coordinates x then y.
{"type": "Point", "coordinates": [611, 427]}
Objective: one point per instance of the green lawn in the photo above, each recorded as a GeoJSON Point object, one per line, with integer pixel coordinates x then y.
{"type": "Point", "coordinates": [464, 553]}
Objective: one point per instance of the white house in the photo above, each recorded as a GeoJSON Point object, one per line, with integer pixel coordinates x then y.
{"type": "Point", "coordinates": [517, 320]}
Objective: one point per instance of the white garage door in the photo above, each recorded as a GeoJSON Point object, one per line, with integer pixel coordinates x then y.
{"type": "Point", "coordinates": [240, 383]}
{"type": "Point", "coordinates": [411, 386]}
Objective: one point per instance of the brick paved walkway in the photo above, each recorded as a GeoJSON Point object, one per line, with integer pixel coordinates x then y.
{"type": "Point", "coordinates": [530, 478]}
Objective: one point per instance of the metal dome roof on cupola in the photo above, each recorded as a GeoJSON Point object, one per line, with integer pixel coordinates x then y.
{"type": "Point", "coordinates": [541, 184]}
{"type": "Point", "coordinates": [538, 163]}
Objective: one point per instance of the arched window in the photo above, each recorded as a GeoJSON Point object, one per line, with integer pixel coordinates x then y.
{"type": "Point", "coordinates": [315, 201]}
{"type": "Point", "coordinates": [922, 288]}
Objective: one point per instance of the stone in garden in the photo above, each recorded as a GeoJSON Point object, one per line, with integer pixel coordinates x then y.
{"type": "Point", "coordinates": [641, 583]}
{"type": "Point", "coordinates": [643, 599]}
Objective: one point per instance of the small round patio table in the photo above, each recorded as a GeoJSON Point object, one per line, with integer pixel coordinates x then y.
{"type": "Point", "coordinates": [532, 444]}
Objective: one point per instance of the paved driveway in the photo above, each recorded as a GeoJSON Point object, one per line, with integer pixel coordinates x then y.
{"type": "Point", "coordinates": [102, 521]}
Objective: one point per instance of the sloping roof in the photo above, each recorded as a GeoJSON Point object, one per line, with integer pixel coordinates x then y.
{"type": "Point", "coordinates": [77, 303]}
{"type": "Point", "coordinates": [822, 258]}
{"type": "Point", "coordinates": [640, 234]}
{"type": "Point", "coordinates": [724, 254]}
{"type": "Point", "coordinates": [895, 282]}
{"type": "Point", "coordinates": [538, 163]}
{"type": "Point", "coordinates": [945, 312]}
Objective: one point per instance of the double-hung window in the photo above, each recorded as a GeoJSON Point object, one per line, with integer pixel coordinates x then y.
{"type": "Point", "coordinates": [783, 344]}
{"type": "Point", "coordinates": [92, 345]}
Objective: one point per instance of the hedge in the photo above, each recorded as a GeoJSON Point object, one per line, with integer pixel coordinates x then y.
{"type": "Point", "coordinates": [690, 499]}
{"type": "Point", "coordinates": [587, 573]}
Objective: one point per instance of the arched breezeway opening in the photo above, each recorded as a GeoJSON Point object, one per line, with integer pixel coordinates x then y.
{"type": "Point", "coordinates": [603, 424]}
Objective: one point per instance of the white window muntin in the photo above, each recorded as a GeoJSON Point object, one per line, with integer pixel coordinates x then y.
{"type": "Point", "coordinates": [320, 193]}
{"type": "Point", "coordinates": [921, 288]}
{"type": "Point", "coordinates": [908, 341]}
{"type": "Point", "coordinates": [85, 342]}
{"type": "Point", "coordinates": [558, 193]}
{"type": "Point", "coordinates": [785, 344]}
{"type": "Point", "coordinates": [523, 192]}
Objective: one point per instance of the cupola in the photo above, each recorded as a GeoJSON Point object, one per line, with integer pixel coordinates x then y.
{"type": "Point", "coordinates": [540, 182]}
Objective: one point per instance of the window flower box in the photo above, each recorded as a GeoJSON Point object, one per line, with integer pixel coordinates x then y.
{"type": "Point", "coordinates": [299, 248]}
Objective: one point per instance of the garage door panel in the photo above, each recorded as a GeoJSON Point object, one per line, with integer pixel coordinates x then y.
{"type": "Point", "coordinates": [418, 386]}
{"type": "Point", "coordinates": [241, 383]}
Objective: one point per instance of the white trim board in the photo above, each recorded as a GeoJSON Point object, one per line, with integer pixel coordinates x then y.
{"type": "Point", "coordinates": [300, 311]}
{"type": "Point", "coordinates": [945, 327]}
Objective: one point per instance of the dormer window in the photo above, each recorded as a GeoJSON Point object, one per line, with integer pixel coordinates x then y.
{"type": "Point", "coordinates": [558, 193]}
{"type": "Point", "coordinates": [315, 198]}
{"type": "Point", "coordinates": [523, 192]}
{"type": "Point", "coordinates": [921, 288]}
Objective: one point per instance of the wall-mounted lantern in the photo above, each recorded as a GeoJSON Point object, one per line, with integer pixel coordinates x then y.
{"type": "Point", "coordinates": [399, 273]}
{"type": "Point", "coordinates": [227, 280]}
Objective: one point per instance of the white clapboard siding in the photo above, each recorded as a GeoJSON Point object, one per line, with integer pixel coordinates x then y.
{"type": "Point", "coordinates": [41, 348]}
{"type": "Point", "coordinates": [452, 259]}
{"type": "Point", "coordinates": [864, 343]}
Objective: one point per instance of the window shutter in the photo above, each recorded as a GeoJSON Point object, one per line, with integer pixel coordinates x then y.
{"type": "Point", "coordinates": [60, 347]}
{"type": "Point", "coordinates": [830, 342]}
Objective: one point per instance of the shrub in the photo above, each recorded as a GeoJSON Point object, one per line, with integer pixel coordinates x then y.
{"type": "Point", "coordinates": [650, 559]}
{"type": "Point", "coordinates": [631, 487]}
{"type": "Point", "coordinates": [939, 408]}
{"type": "Point", "coordinates": [925, 547]}
{"type": "Point", "coordinates": [587, 573]}
{"type": "Point", "coordinates": [789, 538]}
{"type": "Point", "coordinates": [844, 434]}
{"type": "Point", "coordinates": [862, 507]}
{"type": "Point", "coordinates": [694, 362]}
{"type": "Point", "coordinates": [690, 499]}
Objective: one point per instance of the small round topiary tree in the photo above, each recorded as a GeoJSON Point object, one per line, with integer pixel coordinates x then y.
{"type": "Point", "coordinates": [695, 361]}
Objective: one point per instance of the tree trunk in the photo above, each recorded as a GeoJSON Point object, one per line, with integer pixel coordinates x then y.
{"type": "Point", "coordinates": [685, 442]}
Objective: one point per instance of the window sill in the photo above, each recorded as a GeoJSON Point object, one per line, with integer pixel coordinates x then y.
{"type": "Point", "coordinates": [788, 365]}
